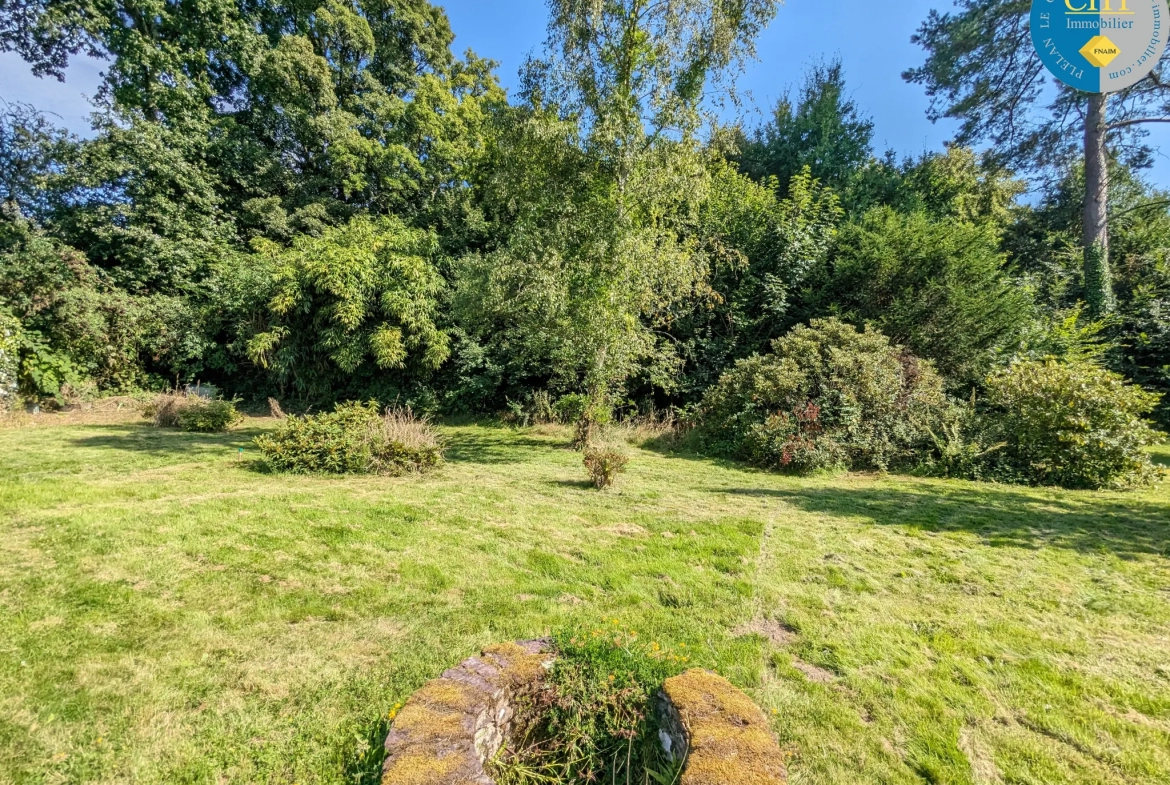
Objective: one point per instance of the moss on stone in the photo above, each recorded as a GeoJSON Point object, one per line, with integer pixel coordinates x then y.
{"type": "Point", "coordinates": [729, 737]}
{"type": "Point", "coordinates": [426, 768]}
{"type": "Point", "coordinates": [519, 666]}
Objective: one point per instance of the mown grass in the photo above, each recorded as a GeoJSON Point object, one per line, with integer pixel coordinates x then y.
{"type": "Point", "coordinates": [170, 614]}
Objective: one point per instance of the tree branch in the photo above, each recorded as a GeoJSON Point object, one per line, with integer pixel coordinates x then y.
{"type": "Point", "coordinates": [1161, 203]}
{"type": "Point", "coordinates": [1136, 121]}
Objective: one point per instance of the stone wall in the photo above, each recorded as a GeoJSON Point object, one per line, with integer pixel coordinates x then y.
{"type": "Point", "coordinates": [721, 731]}
{"type": "Point", "coordinates": [451, 726]}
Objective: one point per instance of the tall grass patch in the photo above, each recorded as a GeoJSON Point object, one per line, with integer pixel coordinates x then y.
{"type": "Point", "coordinates": [593, 719]}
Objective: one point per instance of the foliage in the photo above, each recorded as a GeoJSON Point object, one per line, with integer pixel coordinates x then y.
{"type": "Point", "coordinates": [587, 276]}
{"type": "Point", "coordinates": [605, 458]}
{"type": "Point", "coordinates": [77, 325]}
{"type": "Point", "coordinates": [571, 407]}
{"type": "Point", "coordinates": [209, 416]}
{"type": "Point", "coordinates": [962, 445]}
{"type": "Point", "coordinates": [1043, 248]}
{"type": "Point", "coordinates": [357, 299]}
{"type": "Point", "coordinates": [828, 397]}
{"type": "Point", "coordinates": [10, 343]}
{"type": "Point", "coordinates": [602, 176]}
{"type": "Point", "coordinates": [938, 287]}
{"type": "Point", "coordinates": [1071, 424]}
{"type": "Point", "coordinates": [355, 438]}
{"type": "Point", "coordinates": [822, 130]}
{"type": "Point", "coordinates": [593, 719]}
{"type": "Point", "coordinates": [31, 153]}
{"type": "Point", "coordinates": [762, 249]}
{"type": "Point", "coordinates": [192, 412]}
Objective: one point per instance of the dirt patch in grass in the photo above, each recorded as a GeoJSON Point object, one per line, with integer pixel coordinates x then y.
{"type": "Point", "coordinates": [813, 672]}
{"type": "Point", "coordinates": [777, 633]}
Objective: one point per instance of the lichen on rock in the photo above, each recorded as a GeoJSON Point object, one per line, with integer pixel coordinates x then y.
{"type": "Point", "coordinates": [727, 737]}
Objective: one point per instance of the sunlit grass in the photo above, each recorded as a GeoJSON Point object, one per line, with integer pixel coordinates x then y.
{"type": "Point", "coordinates": [170, 614]}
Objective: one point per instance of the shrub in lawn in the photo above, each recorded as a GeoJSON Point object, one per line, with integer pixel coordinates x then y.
{"type": "Point", "coordinates": [537, 409]}
{"type": "Point", "coordinates": [355, 438]}
{"type": "Point", "coordinates": [208, 416]}
{"type": "Point", "coordinates": [605, 457]}
{"type": "Point", "coordinates": [191, 412]}
{"type": "Point", "coordinates": [541, 408]}
{"type": "Point", "coordinates": [593, 718]}
{"type": "Point", "coordinates": [963, 447]}
{"type": "Point", "coordinates": [1072, 424]}
{"type": "Point", "coordinates": [828, 397]}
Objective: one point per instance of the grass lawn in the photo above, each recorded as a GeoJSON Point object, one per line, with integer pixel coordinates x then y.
{"type": "Point", "coordinates": [170, 615]}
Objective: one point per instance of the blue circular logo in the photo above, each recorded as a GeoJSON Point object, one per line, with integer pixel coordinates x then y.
{"type": "Point", "coordinates": [1099, 46]}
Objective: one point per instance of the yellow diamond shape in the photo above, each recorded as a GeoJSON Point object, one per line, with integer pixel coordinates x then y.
{"type": "Point", "coordinates": [1100, 51]}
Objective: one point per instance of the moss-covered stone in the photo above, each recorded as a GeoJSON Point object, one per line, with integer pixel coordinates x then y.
{"type": "Point", "coordinates": [452, 724]}
{"type": "Point", "coordinates": [728, 737]}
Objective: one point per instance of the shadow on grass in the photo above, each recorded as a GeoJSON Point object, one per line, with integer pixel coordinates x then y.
{"type": "Point", "coordinates": [584, 485]}
{"type": "Point", "coordinates": [164, 441]}
{"type": "Point", "coordinates": [495, 445]}
{"type": "Point", "coordinates": [999, 515]}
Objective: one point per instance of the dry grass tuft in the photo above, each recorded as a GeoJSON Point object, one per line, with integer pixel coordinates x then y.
{"type": "Point", "coordinates": [657, 428]}
{"type": "Point", "coordinates": [415, 433]}
{"type": "Point", "coordinates": [191, 412]}
{"type": "Point", "coordinates": [163, 411]}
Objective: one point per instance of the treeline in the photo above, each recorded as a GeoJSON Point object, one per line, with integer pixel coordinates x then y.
{"type": "Point", "coordinates": [322, 202]}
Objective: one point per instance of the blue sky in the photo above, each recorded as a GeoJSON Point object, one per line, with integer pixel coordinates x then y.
{"type": "Point", "coordinates": [872, 39]}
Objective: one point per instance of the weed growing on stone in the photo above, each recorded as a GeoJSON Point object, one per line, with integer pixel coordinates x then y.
{"type": "Point", "coordinates": [593, 719]}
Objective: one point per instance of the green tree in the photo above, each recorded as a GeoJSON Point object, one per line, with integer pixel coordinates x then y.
{"type": "Point", "coordinates": [31, 151]}
{"type": "Point", "coordinates": [603, 178]}
{"type": "Point", "coordinates": [343, 308]}
{"type": "Point", "coordinates": [938, 287]}
{"type": "Point", "coordinates": [1043, 246]}
{"type": "Point", "coordinates": [822, 130]}
{"type": "Point", "coordinates": [761, 247]}
{"type": "Point", "coordinates": [982, 69]}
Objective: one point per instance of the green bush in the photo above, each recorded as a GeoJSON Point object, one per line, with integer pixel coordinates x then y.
{"type": "Point", "coordinates": [937, 287]}
{"type": "Point", "coordinates": [10, 339]}
{"type": "Point", "coordinates": [190, 412]}
{"type": "Point", "coordinates": [570, 408]}
{"type": "Point", "coordinates": [208, 416]}
{"type": "Point", "coordinates": [829, 397]}
{"type": "Point", "coordinates": [355, 438]}
{"type": "Point", "coordinates": [1072, 424]}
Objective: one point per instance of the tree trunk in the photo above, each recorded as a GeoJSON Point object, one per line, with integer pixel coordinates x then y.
{"type": "Point", "coordinates": [1095, 237]}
